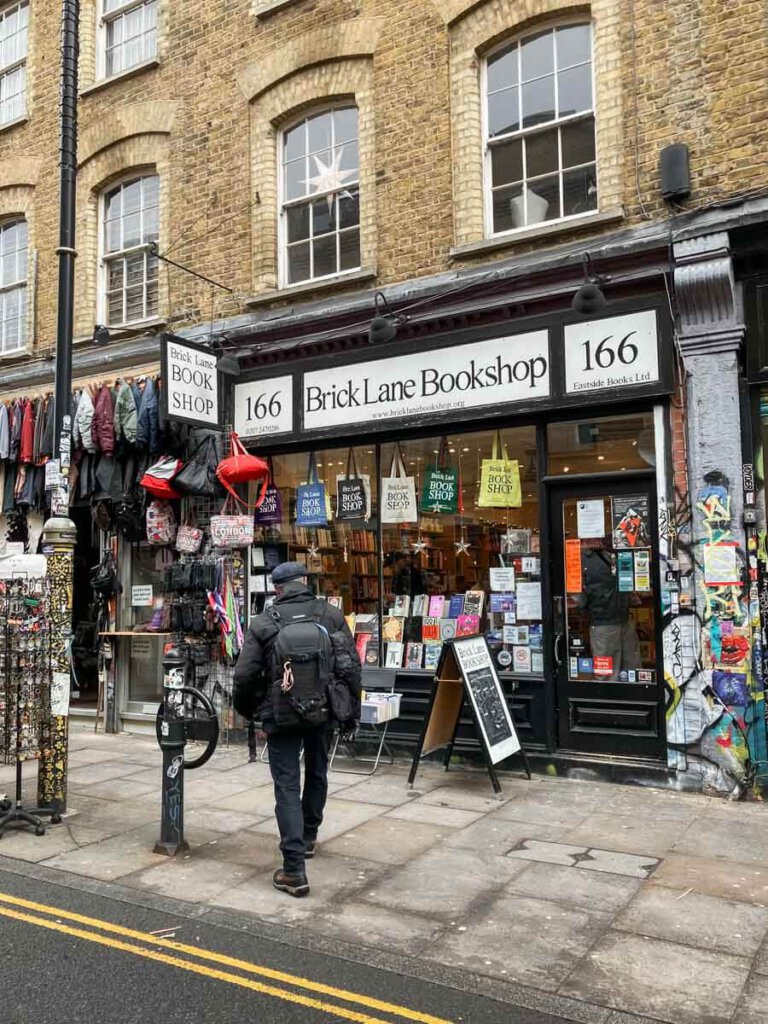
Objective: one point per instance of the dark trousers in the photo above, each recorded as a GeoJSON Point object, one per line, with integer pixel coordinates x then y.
{"type": "Point", "coordinates": [299, 815]}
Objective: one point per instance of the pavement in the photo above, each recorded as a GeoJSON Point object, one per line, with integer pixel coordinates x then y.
{"type": "Point", "coordinates": [592, 902]}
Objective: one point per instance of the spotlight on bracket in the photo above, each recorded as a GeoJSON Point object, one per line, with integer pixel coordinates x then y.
{"type": "Point", "coordinates": [226, 362]}
{"type": "Point", "coordinates": [385, 323]}
{"type": "Point", "coordinates": [589, 299]}
{"type": "Point", "coordinates": [101, 335]}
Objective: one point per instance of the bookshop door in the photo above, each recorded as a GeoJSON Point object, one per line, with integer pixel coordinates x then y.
{"type": "Point", "coordinates": [607, 644]}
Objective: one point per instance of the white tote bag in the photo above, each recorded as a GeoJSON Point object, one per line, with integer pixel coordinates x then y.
{"type": "Point", "coordinates": [398, 493]}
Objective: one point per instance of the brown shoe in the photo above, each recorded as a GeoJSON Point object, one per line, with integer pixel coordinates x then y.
{"type": "Point", "coordinates": [293, 884]}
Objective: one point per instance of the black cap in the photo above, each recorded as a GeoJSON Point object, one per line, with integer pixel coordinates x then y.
{"type": "Point", "coordinates": [287, 571]}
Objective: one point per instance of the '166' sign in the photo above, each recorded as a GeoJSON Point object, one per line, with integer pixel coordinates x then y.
{"type": "Point", "coordinates": [618, 352]}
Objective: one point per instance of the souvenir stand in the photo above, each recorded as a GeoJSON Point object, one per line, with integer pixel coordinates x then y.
{"type": "Point", "coordinates": [25, 686]}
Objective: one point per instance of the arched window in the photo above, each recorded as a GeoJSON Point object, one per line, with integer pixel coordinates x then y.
{"type": "Point", "coordinates": [13, 285]}
{"type": "Point", "coordinates": [540, 129]}
{"type": "Point", "coordinates": [128, 34]}
{"type": "Point", "coordinates": [130, 218]}
{"type": "Point", "coordinates": [320, 196]}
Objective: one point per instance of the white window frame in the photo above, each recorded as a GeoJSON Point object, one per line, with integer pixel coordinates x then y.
{"type": "Point", "coordinates": [22, 286]}
{"type": "Point", "coordinates": [105, 258]}
{"type": "Point", "coordinates": [282, 220]}
{"type": "Point", "coordinates": [556, 122]}
{"type": "Point", "coordinates": [105, 19]}
{"type": "Point", "coordinates": [20, 62]}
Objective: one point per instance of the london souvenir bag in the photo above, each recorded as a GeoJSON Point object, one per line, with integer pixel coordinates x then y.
{"type": "Point", "coordinates": [351, 496]}
{"type": "Point", "coordinates": [270, 511]}
{"type": "Point", "coordinates": [231, 529]}
{"type": "Point", "coordinates": [311, 499]}
{"type": "Point", "coordinates": [499, 479]}
{"type": "Point", "coordinates": [440, 491]}
{"type": "Point", "coordinates": [398, 493]}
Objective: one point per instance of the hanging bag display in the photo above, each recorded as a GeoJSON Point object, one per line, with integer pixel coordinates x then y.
{"type": "Point", "coordinates": [440, 492]}
{"type": "Point", "coordinates": [189, 539]}
{"type": "Point", "coordinates": [351, 499]}
{"type": "Point", "coordinates": [398, 493]}
{"type": "Point", "coordinates": [161, 523]}
{"type": "Point", "coordinates": [198, 475]}
{"type": "Point", "coordinates": [499, 479]}
{"type": "Point", "coordinates": [231, 529]}
{"type": "Point", "coordinates": [242, 468]}
{"type": "Point", "coordinates": [270, 511]}
{"type": "Point", "coordinates": [158, 479]}
{"type": "Point", "coordinates": [311, 508]}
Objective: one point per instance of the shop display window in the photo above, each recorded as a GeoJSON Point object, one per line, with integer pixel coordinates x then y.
{"type": "Point", "coordinates": [143, 605]}
{"type": "Point", "coordinates": [611, 444]}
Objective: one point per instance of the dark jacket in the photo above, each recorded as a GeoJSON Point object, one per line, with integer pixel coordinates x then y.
{"type": "Point", "coordinates": [251, 695]}
{"type": "Point", "coordinates": [148, 424]}
{"type": "Point", "coordinates": [104, 422]}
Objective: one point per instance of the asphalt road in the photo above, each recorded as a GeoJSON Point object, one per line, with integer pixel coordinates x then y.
{"type": "Point", "coordinates": [70, 955]}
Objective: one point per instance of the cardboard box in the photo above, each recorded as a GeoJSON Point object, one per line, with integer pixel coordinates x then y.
{"type": "Point", "coordinates": [378, 708]}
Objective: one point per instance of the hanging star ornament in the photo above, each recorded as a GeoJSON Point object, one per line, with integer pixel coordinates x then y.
{"type": "Point", "coordinates": [420, 546]}
{"type": "Point", "coordinates": [313, 551]}
{"type": "Point", "coordinates": [330, 178]}
{"type": "Point", "coordinates": [462, 546]}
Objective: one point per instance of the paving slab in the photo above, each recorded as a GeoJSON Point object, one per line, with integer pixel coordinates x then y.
{"type": "Point", "coordinates": [613, 863]}
{"type": "Point", "coordinates": [497, 835]}
{"type": "Point", "coordinates": [120, 789]}
{"type": "Point", "coordinates": [720, 838]}
{"type": "Point", "coordinates": [210, 792]}
{"type": "Point", "coordinates": [339, 817]}
{"type": "Point", "coordinates": [546, 853]}
{"type": "Point", "coordinates": [192, 878]}
{"type": "Point", "coordinates": [659, 979]}
{"type": "Point", "coordinates": [384, 929]}
{"type": "Point", "coordinates": [444, 882]}
{"type": "Point", "coordinates": [731, 879]}
{"type": "Point", "coordinates": [592, 891]}
{"type": "Point", "coordinates": [753, 1007]}
{"type": "Point", "coordinates": [474, 796]}
{"type": "Point", "coordinates": [219, 821]}
{"type": "Point", "coordinates": [25, 845]}
{"type": "Point", "coordinates": [250, 849]}
{"type": "Point", "coordinates": [693, 919]}
{"type": "Point", "coordinates": [387, 790]}
{"type": "Point", "coordinates": [386, 840]}
{"type": "Point", "coordinates": [89, 755]}
{"type": "Point", "coordinates": [546, 809]}
{"type": "Point", "coordinates": [112, 858]}
{"type": "Point", "coordinates": [434, 814]}
{"type": "Point", "coordinates": [112, 816]}
{"type": "Point", "coordinates": [637, 834]}
{"type": "Point", "coordinates": [530, 941]}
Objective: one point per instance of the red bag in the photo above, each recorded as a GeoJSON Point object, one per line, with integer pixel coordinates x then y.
{"type": "Point", "coordinates": [240, 468]}
{"type": "Point", "coordinates": [157, 479]}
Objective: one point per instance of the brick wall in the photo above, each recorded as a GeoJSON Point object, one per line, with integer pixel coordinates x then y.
{"type": "Point", "coordinates": [230, 67]}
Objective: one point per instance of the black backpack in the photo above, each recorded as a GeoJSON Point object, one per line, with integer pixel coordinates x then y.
{"type": "Point", "coordinates": [302, 662]}
{"type": "Point", "coordinates": [104, 581]}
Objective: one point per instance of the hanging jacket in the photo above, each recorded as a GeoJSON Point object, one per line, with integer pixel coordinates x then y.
{"type": "Point", "coordinates": [104, 422]}
{"type": "Point", "coordinates": [82, 430]}
{"type": "Point", "coordinates": [126, 415]}
{"type": "Point", "coordinates": [5, 431]}
{"type": "Point", "coordinates": [15, 413]}
{"type": "Point", "coordinates": [27, 447]}
{"type": "Point", "coordinates": [46, 448]}
{"type": "Point", "coordinates": [9, 501]}
{"type": "Point", "coordinates": [37, 442]}
{"type": "Point", "coordinates": [148, 426]}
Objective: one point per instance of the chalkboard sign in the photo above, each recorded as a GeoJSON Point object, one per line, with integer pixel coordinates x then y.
{"type": "Point", "coordinates": [466, 668]}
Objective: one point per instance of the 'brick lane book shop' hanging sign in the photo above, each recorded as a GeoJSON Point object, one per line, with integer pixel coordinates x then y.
{"type": "Point", "coordinates": [190, 391]}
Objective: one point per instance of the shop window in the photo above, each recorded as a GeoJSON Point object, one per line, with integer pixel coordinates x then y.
{"type": "Point", "coordinates": [13, 286]}
{"type": "Point", "coordinates": [320, 196]}
{"type": "Point", "coordinates": [611, 444]}
{"type": "Point", "coordinates": [540, 129]}
{"type": "Point", "coordinates": [145, 607]}
{"type": "Point", "coordinates": [128, 34]}
{"type": "Point", "coordinates": [130, 216]}
{"type": "Point", "coordinates": [14, 29]}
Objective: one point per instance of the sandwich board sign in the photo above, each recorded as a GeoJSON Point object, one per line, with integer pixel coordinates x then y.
{"type": "Point", "coordinates": [466, 670]}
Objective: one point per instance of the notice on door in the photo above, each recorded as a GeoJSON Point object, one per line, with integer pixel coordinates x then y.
{"type": "Point", "coordinates": [573, 581]}
{"type": "Point", "coordinates": [590, 519]}
{"type": "Point", "coordinates": [642, 570]}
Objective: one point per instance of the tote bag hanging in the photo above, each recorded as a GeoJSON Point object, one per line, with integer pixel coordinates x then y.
{"type": "Point", "coordinates": [270, 511]}
{"type": "Point", "coordinates": [440, 492]}
{"type": "Point", "coordinates": [351, 499]}
{"type": "Point", "coordinates": [198, 475]}
{"type": "Point", "coordinates": [499, 479]}
{"type": "Point", "coordinates": [241, 468]}
{"type": "Point", "coordinates": [231, 529]}
{"type": "Point", "coordinates": [311, 509]}
{"type": "Point", "coordinates": [398, 493]}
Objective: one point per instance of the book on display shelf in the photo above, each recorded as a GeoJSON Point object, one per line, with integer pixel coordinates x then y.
{"type": "Point", "coordinates": [394, 654]}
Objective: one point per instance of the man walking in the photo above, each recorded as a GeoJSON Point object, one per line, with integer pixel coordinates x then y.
{"type": "Point", "coordinates": [294, 652]}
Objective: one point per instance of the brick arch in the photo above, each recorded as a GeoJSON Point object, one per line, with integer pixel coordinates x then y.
{"type": "Point", "coordinates": [21, 171]}
{"type": "Point", "coordinates": [356, 38]}
{"type": "Point", "coordinates": [154, 117]}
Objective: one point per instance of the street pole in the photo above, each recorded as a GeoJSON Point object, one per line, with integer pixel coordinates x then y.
{"type": "Point", "coordinates": [52, 774]}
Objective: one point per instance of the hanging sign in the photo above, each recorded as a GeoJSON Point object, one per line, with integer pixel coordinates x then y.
{"type": "Point", "coordinates": [190, 392]}
{"type": "Point", "coordinates": [615, 352]}
{"type": "Point", "coordinates": [496, 372]}
{"type": "Point", "coordinates": [264, 408]}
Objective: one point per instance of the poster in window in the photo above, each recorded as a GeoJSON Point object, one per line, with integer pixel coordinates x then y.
{"type": "Point", "coordinates": [629, 519]}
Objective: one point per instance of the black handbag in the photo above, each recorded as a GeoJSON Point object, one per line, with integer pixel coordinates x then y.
{"type": "Point", "coordinates": [198, 474]}
{"type": "Point", "coordinates": [340, 701]}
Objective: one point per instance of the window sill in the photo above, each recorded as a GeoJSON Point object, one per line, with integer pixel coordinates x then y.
{"type": "Point", "coordinates": [14, 124]}
{"type": "Point", "coordinates": [308, 287]}
{"type": "Point", "coordinates": [137, 69]}
{"type": "Point", "coordinates": [264, 8]}
{"type": "Point", "coordinates": [18, 353]}
{"type": "Point", "coordinates": [560, 227]}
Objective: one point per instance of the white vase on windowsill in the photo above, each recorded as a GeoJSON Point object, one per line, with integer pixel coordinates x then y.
{"type": "Point", "coordinates": [537, 209]}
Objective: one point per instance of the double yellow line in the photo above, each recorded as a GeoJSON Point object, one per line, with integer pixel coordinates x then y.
{"type": "Point", "coordinates": [40, 914]}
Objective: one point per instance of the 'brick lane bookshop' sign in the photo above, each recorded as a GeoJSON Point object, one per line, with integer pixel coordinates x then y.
{"type": "Point", "coordinates": [487, 373]}
{"type": "Point", "coordinates": [617, 352]}
{"type": "Point", "coordinates": [191, 383]}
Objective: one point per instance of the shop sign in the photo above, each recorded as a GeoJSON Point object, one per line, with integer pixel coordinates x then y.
{"type": "Point", "coordinates": [495, 372]}
{"type": "Point", "coordinates": [190, 382]}
{"type": "Point", "coordinates": [615, 352]}
{"type": "Point", "coordinates": [264, 408]}
{"type": "Point", "coordinates": [142, 596]}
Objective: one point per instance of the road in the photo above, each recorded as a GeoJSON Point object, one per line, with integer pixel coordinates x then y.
{"type": "Point", "coordinates": [71, 955]}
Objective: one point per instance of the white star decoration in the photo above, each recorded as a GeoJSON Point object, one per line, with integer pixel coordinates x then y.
{"type": "Point", "coordinates": [313, 551]}
{"type": "Point", "coordinates": [437, 507]}
{"type": "Point", "coordinates": [462, 547]}
{"type": "Point", "coordinates": [420, 545]}
{"type": "Point", "coordinates": [330, 178]}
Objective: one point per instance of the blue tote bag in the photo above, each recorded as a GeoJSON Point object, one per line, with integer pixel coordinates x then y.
{"type": "Point", "coordinates": [311, 509]}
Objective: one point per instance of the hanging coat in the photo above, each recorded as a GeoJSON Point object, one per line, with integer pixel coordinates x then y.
{"type": "Point", "coordinates": [37, 443]}
{"type": "Point", "coordinates": [9, 501]}
{"type": "Point", "coordinates": [148, 426]}
{"type": "Point", "coordinates": [82, 431]}
{"type": "Point", "coordinates": [46, 448]}
{"type": "Point", "coordinates": [104, 422]}
{"type": "Point", "coordinates": [27, 446]}
{"type": "Point", "coordinates": [16, 413]}
{"type": "Point", "coordinates": [126, 415]}
{"type": "Point", "coordinates": [5, 431]}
